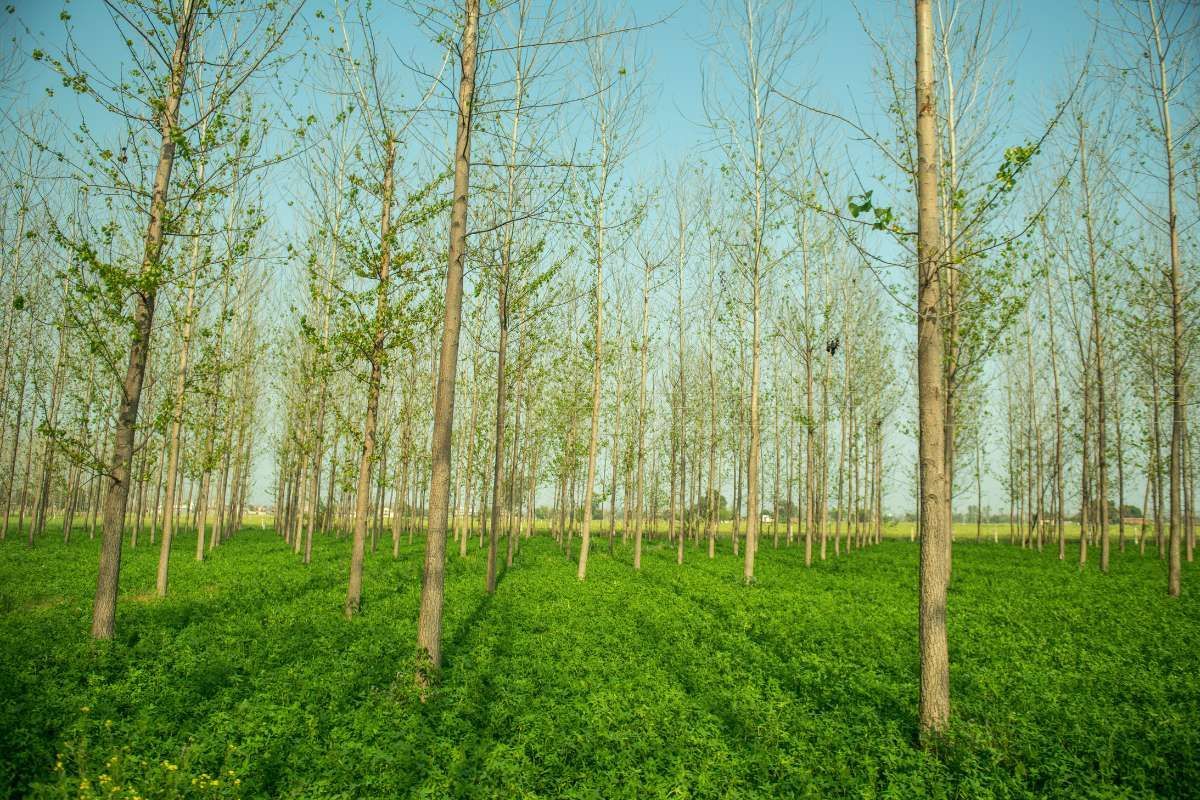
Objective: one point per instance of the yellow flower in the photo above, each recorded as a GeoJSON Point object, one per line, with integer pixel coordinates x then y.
{"type": "Point", "coordinates": [85, 709]}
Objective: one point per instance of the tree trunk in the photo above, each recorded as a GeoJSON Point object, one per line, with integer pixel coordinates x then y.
{"type": "Point", "coordinates": [616, 443]}
{"type": "Point", "coordinates": [1156, 433]}
{"type": "Point", "coordinates": [501, 408]}
{"type": "Point", "coordinates": [1178, 342]}
{"type": "Point", "coordinates": [714, 510]}
{"type": "Point", "coordinates": [752, 465]}
{"type": "Point", "coordinates": [1098, 341]}
{"type": "Point", "coordinates": [429, 620]}
{"type": "Point", "coordinates": [585, 532]}
{"type": "Point", "coordinates": [934, 704]}
{"type": "Point", "coordinates": [362, 497]}
{"type": "Point", "coordinates": [1058, 429]}
{"type": "Point", "coordinates": [640, 519]}
{"type": "Point", "coordinates": [1120, 467]}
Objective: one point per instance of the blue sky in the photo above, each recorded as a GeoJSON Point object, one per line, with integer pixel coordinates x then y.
{"type": "Point", "coordinates": [836, 66]}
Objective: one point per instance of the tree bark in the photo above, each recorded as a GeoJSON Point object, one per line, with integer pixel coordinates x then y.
{"type": "Point", "coordinates": [429, 620]}
{"type": "Point", "coordinates": [585, 531]}
{"type": "Point", "coordinates": [1178, 343]}
{"type": "Point", "coordinates": [1098, 342]}
{"type": "Point", "coordinates": [934, 704]}
{"type": "Point", "coordinates": [640, 519]}
{"type": "Point", "coordinates": [501, 403]}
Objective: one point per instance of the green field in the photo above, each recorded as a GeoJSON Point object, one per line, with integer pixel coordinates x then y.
{"type": "Point", "coordinates": [248, 682]}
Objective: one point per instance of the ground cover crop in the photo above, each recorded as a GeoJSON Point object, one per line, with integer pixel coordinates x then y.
{"type": "Point", "coordinates": [676, 682]}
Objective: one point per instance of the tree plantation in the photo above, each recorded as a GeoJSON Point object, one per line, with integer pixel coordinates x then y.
{"type": "Point", "coordinates": [531, 398]}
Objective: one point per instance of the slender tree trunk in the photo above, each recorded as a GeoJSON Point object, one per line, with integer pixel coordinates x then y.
{"type": "Point", "coordinates": [738, 475]}
{"type": "Point", "coordinates": [640, 500]}
{"type": "Point", "coordinates": [823, 485]}
{"type": "Point", "coordinates": [429, 620]}
{"type": "Point", "coordinates": [681, 533]}
{"type": "Point", "coordinates": [681, 428]}
{"type": "Point", "coordinates": [809, 422]}
{"type": "Point", "coordinates": [1098, 340]}
{"type": "Point", "coordinates": [1058, 430]}
{"type": "Point", "coordinates": [517, 454]}
{"type": "Point", "coordinates": [752, 465]}
{"type": "Point", "coordinates": [843, 432]}
{"type": "Point", "coordinates": [674, 474]}
{"type": "Point", "coordinates": [978, 488]}
{"type": "Point", "coordinates": [1085, 499]}
{"type": "Point", "coordinates": [1178, 342]}
{"type": "Point", "coordinates": [713, 506]}
{"type": "Point", "coordinates": [501, 413]}
{"type": "Point", "coordinates": [612, 500]}
{"type": "Point", "coordinates": [1141, 542]}
{"type": "Point", "coordinates": [585, 533]}
{"type": "Point", "coordinates": [934, 705]}
{"type": "Point", "coordinates": [379, 337]}
{"type": "Point", "coordinates": [401, 493]}
{"type": "Point", "coordinates": [139, 504]}
{"type": "Point", "coordinates": [775, 448]}
{"type": "Point", "coordinates": [1120, 467]}
{"type": "Point", "coordinates": [471, 440]}
{"type": "Point", "coordinates": [1156, 433]}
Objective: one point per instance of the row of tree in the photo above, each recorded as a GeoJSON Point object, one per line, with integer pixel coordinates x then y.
{"type": "Point", "coordinates": [209, 278]}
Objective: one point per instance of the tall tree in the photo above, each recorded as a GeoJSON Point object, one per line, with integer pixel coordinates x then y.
{"type": "Point", "coordinates": [433, 576]}
{"type": "Point", "coordinates": [145, 294]}
{"type": "Point", "coordinates": [755, 49]}
{"type": "Point", "coordinates": [934, 705]}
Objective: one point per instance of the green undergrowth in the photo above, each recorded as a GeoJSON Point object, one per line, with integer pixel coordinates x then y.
{"type": "Point", "coordinates": [677, 682]}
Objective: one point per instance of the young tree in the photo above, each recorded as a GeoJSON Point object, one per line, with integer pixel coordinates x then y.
{"type": "Point", "coordinates": [161, 40]}
{"type": "Point", "coordinates": [755, 63]}
{"type": "Point", "coordinates": [615, 109]}
{"type": "Point", "coordinates": [1161, 35]}
{"type": "Point", "coordinates": [429, 619]}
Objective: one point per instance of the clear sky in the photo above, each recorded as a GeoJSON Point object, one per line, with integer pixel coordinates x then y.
{"type": "Point", "coordinates": [834, 68]}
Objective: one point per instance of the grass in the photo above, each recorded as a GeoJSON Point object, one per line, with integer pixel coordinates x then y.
{"type": "Point", "coordinates": [247, 681]}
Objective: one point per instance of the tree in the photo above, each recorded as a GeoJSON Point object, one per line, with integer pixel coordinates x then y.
{"type": "Point", "coordinates": [934, 705]}
{"type": "Point", "coordinates": [615, 115]}
{"type": "Point", "coordinates": [763, 46]}
{"type": "Point", "coordinates": [145, 293]}
{"type": "Point", "coordinates": [160, 41]}
{"type": "Point", "coordinates": [429, 619]}
{"type": "Point", "coordinates": [1163, 34]}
